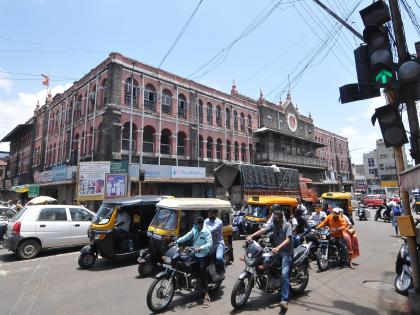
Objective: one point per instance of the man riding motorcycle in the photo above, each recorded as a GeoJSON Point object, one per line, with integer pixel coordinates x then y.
{"type": "Point", "coordinates": [202, 244]}
{"type": "Point", "coordinates": [337, 226]}
{"type": "Point", "coordinates": [283, 246]}
{"type": "Point", "coordinates": [317, 217]}
{"type": "Point", "coordinates": [215, 226]}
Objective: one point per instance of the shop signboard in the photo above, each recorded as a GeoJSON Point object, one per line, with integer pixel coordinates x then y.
{"type": "Point", "coordinates": [119, 166]}
{"type": "Point", "coordinates": [157, 171]}
{"type": "Point", "coordinates": [37, 177]}
{"type": "Point", "coordinates": [91, 184]}
{"type": "Point", "coordinates": [33, 191]}
{"type": "Point", "coordinates": [188, 172]}
{"type": "Point", "coordinates": [59, 173]}
{"type": "Point", "coordinates": [46, 176]}
{"type": "Point", "coordinates": [115, 185]}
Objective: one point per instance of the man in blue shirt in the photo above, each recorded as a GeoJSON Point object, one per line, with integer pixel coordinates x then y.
{"type": "Point", "coordinates": [202, 244]}
{"type": "Point", "coordinates": [215, 226]}
{"type": "Point", "coordinates": [283, 246]}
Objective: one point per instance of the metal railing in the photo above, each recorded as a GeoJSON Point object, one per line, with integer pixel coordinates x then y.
{"type": "Point", "coordinates": [126, 145]}
{"type": "Point", "coordinates": [165, 148]}
{"type": "Point", "coordinates": [292, 159]}
{"type": "Point", "coordinates": [150, 105]}
{"type": "Point", "coordinates": [181, 150]}
{"type": "Point", "coordinates": [148, 147]}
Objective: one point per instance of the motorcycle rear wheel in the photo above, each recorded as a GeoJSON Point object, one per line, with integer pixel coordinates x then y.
{"type": "Point", "coordinates": [242, 288]}
{"type": "Point", "coordinates": [322, 261]}
{"type": "Point", "coordinates": [301, 276]}
{"type": "Point", "coordinates": [403, 282]}
{"type": "Point", "coordinates": [161, 288]}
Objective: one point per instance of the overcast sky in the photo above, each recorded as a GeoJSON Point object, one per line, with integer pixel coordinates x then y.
{"type": "Point", "coordinates": [258, 44]}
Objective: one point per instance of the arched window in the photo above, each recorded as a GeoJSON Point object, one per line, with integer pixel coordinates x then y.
{"type": "Point", "coordinates": [228, 150]}
{"type": "Point", "coordinates": [53, 154]}
{"type": "Point", "coordinates": [126, 137]}
{"type": "Point", "coordinates": [219, 149]}
{"type": "Point", "coordinates": [75, 149]}
{"type": "Point", "coordinates": [82, 145]}
{"type": "Point", "coordinates": [129, 90]}
{"type": "Point", "coordinates": [227, 118]}
{"type": "Point", "coordinates": [181, 150]}
{"type": "Point", "coordinates": [209, 114]}
{"type": "Point", "coordinates": [236, 151]}
{"type": "Point", "coordinates": [200, 111]}
{"type": "Point", "coordinates": [89, 141]}
{"type": "Point", "coordinates": [235, 120]}
{"type": "Point", "coordinates": [78, 107]}
{"type": "Point", "coordinates": [200, 146]}
{"type": "Point", "coordinates": [242, 122]}
{"type": "Point", "coordinates": [209, 148]}
{"type": "Point", "coordinates": [251, 153]}
{"type": "Point", "coordinates": [166, 101]}
{"type": "Point", "coordinates": [218, 116]}
{"type": "Point", "coordinates": [165, 141]}
{"type": "Point", "coordinates": [148, 141]}
{"type": "Point", "coordinates": [150, 97]}
{"type": "Point", "coordinates": [103, 99]}
{"type": "Point", "coordinates": [182, 106]}
{"type": "Point", "coordinates": [249, 124]}
{"type": "Point", "coordinates": [243, 152]}
{"type": "Point", "coordinates": [91, 100]}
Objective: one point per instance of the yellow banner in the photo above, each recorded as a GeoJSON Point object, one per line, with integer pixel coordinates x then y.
{"type": "Point", "coordinates": [389, 183]}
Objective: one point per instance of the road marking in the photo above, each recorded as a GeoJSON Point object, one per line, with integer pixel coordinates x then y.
{"type": "Point", "coordinates": [8, 272]}
{"type": "Point", "coordinates": [37, 259]}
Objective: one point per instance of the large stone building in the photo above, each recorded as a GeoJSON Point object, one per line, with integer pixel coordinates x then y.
{"type": "Point", "coordinates": [175, 122]}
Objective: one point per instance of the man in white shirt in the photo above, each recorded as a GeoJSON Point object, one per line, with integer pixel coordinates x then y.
{"type": "Point", "coordinates": [215, 226]}
{"type": "Point", "coordinates": [317, 217]}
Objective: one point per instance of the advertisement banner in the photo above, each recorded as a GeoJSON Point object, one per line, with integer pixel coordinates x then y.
{"type": "Point", "coordinates": [188, 172]}
{"type": "Point", "coordinates": [115, 185]}
{"type": "Point", "coordinates": [119, 166]}
{"type": "Point", "coordinates": [59, 173]}
{"type": "Point", "coordinates": [92, 180]}
{"type": "Point", "coordinates": [46, 176]}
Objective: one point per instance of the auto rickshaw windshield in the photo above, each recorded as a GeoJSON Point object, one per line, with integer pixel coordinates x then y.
{"type": "Point", "coordinates": [258, 211]}
{"type": "Point", "coordinates": [104, 214]}
{"type": "Point", "coordinates": [335, 203]}
{"type": "Point", "coordinates": [166, 219]}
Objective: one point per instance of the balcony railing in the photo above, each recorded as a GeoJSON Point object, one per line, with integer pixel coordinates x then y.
{"type": "Point", "coordinates": [165, 148]}
{"type": "Point", "coordinates": [148, 147]}
{"type": "Point", "coordinates": [181, 150]}
{"type": "Point", "coordinates": [150, 105]}
{"type": "Point", "coordinates": [292, 159]}
{"type": "Point", "coordinates": [126, 145]}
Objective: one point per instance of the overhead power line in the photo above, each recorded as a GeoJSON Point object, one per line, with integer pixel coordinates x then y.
{"type": "Point", "coordinates": [181, 32]}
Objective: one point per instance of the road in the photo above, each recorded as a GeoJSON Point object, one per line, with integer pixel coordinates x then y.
{"type": "Point", "coordinates": [53, 284]}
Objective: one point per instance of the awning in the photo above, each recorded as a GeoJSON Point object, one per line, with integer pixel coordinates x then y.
{"type": "Point", "coordinates": [20, 189]}
{"type": "Point", "coordinates": [410, 179]}
{"type": "Point", "coordinates": [206, 180]}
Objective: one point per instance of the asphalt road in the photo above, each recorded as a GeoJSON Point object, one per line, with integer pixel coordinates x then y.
{"type": "Point", "coordinates": [53, 284]}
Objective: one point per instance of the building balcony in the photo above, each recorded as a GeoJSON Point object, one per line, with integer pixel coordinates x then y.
{"type": "Point", "coordinates": [290, 160]}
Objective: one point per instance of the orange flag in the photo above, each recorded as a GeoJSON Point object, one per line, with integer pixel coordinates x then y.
{"type": "Point", "coordinates": [46, 79]}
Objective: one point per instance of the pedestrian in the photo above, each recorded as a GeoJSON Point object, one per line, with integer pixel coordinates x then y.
{"type": "Point", "coordinates": [215, 226]}
{"type": "Point", "coordinates": [397, 212]}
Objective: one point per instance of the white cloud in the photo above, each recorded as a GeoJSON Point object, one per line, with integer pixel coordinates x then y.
{"type": "Point", "coordinates": [374, 103]}
{"type": "Point", "coordinates": [5, 83]}
{"type": "Point", "coordinates": [353, 118]}
{"type": "Point", "coordinates": [18, 111]}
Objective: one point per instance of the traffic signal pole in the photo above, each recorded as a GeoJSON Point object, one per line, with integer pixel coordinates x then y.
{"type": "Point", "coordinates": [404, 56]}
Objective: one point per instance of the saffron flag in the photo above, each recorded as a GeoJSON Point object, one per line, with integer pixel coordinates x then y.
{"type": "Point", "coordinates": [46, 79]}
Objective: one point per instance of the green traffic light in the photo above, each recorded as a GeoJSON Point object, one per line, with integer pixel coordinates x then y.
{"type": "Point", "coordinates": [383, 76]}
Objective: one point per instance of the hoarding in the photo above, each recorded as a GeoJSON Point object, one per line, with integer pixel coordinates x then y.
{"type": "Point", "coordinates": [115, 185]}
{"type": "Point", "coordinates": [92, 180]}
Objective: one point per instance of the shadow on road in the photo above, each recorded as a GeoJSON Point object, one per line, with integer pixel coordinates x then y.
{"type": "Point", "coordinates": [108, 264]}
{"type": "Point", "coordinates": [12, 257]}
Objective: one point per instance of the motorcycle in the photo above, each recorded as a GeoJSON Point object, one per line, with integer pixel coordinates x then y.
{"type": "Point", "coordinates": [181, 272]}
{"type": "Point", "coordinates": [328, 249]}
{"type": "Point", "coordinates": [363, 213]}
{"type": "Point", "coordinates": [311, 237]}
{"type": "Point", "coordinates": [404, 279]}
{"type": "Point", "coordinates": [383, 213]}
{"type": "Point", "coordinates": [262, 270]}
{"type": "Point", "coordinates": [237, 224]}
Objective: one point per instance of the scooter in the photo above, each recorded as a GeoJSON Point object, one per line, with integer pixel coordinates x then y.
{"type": "Point", "coordinates": [404, 279]}
{"type": "Point", "coordinates": [363, 213]}
{"type": "Point", "coordinates": [237, 224]}
{"type": "Point", "coordinates": [380, 214]}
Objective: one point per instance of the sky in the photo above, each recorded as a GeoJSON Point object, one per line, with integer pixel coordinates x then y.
{"type": "Point", "coordinates": [261, 44]}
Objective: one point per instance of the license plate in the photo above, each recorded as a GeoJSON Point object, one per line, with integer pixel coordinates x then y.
{"type": "Point", "coordinates": [166, 266]}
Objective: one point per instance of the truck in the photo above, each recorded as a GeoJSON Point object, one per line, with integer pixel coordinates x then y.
{"type": "Point", "coordinates": [238, 182]}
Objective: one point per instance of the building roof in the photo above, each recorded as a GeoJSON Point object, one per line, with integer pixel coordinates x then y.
{"type": "Point", "coordinates": [17, 132]}
{"type": "Point", "coordinates": [265, 129]}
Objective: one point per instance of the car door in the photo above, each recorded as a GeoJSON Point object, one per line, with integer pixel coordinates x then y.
{"type": "Point", "coordinates": [53, 227]}
{"type": "Point", "coordinates": [80, 222]}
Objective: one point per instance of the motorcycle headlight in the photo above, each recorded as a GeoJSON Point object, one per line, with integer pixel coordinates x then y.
{"type": "Point", "coordinates": [323, 237]}
{"type": "Point", "coordinates": [249, 261]}
{"type": "Point", "coordinates": [167, 260]}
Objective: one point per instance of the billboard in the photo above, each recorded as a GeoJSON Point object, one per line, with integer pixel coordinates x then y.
{"type": "Point", "coordinates": [116, 185]}
{"type": "Point", "coordinates": [92, 180]}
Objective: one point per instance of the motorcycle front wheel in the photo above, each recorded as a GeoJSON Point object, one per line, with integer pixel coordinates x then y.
{"type": "Point", "coordinates": [241, 291]}
{"type": "Point", "coordinates": [299, 278]}
{"type": "Point", "coordinates": [403, 282]}
{"type": "Point", "coordinates": [322, 259]}
{"type": "Point", "coordinates": [160, 294]}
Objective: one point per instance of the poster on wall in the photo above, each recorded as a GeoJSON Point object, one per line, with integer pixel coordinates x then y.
{"type": "Point", "coordinates": [115, 185]}
{"type": "Point", "coordinates": [92, 180]}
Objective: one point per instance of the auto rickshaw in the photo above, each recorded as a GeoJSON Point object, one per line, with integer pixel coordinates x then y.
{"type": "Point", "coordinates": [341, 200]}
{"type": "Point", "coordinates": [417, 204]}
{"type": "Point", "coordinates": [107, 241]}
{"type": "Point", "coordinates": [258, 210]}
{"type": "Point", "coordinates": [173, 219]}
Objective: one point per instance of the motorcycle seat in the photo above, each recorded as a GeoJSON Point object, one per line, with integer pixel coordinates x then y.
{"type": "Point", "coordinates": [298, 252]}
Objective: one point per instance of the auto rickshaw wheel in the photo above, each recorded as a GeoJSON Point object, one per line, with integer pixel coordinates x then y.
{"type": "Point", "coordinates": [146, 269]}
{"type": "Point", "coordinates": [86, 260]}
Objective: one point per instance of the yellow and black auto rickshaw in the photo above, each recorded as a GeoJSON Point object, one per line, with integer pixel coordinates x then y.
{"type": "Point", "coordinates": [173, 219]}
{"type": "Point", "coordinates": [331, 200]}
{"type": "Point", "coordinates": [112, 242]}
{"type": "Point", "coordinates": [258, 210]}
{"type": "Point", "coordinates": [417, 204]}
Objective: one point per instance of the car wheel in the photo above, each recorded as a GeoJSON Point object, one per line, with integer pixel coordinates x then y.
{"type": "Point", "coordinates": [28, 249]}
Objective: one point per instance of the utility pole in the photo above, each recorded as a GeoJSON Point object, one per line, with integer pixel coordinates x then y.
{"type": "Point", "coordinates": [404, 56]}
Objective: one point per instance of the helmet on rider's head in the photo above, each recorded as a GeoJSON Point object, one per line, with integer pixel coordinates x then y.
{"type": "Point", "coordinates": [337, 210]}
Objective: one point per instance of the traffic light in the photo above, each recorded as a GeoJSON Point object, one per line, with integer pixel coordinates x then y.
{"type": "Point", "coordinates": [141, 175]}
{"type": "Point", "coordinates": [391, 125]}
{"type": "Point", "coordinates": [409, 76]}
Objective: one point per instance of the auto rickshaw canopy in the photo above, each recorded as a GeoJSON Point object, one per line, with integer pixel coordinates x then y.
{"type": "Point", "coordinates": [336, 195]}
{"type": "Point", "coordinates": [137, 200]}
{"type": "Point", "coordinates": [194, 204]}
{"type": "Point", "coordinates": [272, 200]}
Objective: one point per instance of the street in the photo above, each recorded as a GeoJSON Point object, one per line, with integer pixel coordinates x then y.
{"type": "Point", "coordinates": [54, 284]}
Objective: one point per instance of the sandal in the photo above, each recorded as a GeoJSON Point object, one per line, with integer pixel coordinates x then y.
{"type": "Point", "coordinates": [206, 302]}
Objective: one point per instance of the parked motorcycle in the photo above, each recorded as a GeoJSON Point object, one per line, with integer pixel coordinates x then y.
{"type": "Point", "coordinates": [262, 270]}
{"type": "Point", "coordinates": [237, 224]}
{"type": "Point", "coordinates": [384, 213]}
{"type": "Point", "coordinates": [363, 213]}
{"type": "Point", "coordinates": [181, 272]}
{"type": "Point", "coordinates": [404, 279]}
{"type": "Point", "coordinates": [328, 249]}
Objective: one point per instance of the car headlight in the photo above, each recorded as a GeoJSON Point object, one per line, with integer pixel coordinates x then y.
{"type": "Point", "coordinates": [167, 260]}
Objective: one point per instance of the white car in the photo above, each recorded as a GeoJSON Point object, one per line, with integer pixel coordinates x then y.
{"type": "Point", "coordinates": [47, 226]}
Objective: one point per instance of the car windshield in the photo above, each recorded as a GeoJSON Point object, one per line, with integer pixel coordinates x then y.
{"type": "Point", "coordinates": [104, 214]}
{"type": "Point", "coordinates": [165, 219]}
{"type": "Point", "coordinates": [335, 203]}
{"type": "Point", "coordinates": [257, 211]}
{"type": "Point", "coordinates": [417, 198]}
